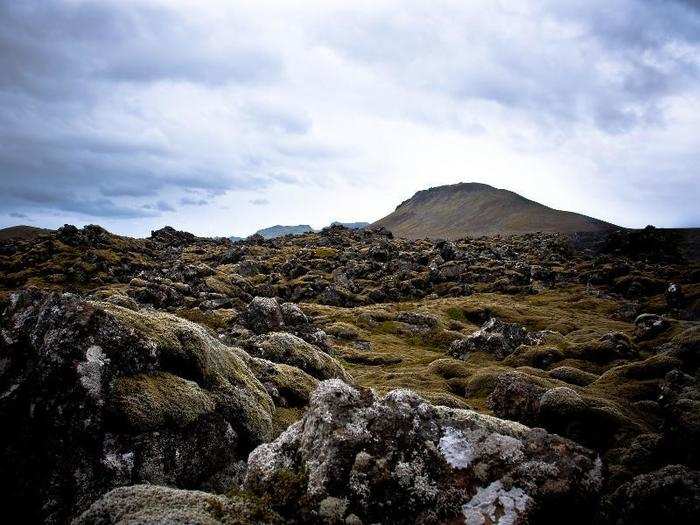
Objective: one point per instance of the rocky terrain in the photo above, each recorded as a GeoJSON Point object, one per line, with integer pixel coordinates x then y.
{"type": "Point", "coordinates": [473, 209]}
{"type": "Point", "coordinates": [348, 377]}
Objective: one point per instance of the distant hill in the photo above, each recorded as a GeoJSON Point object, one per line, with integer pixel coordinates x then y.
{"type": "Point", "coordinates": [473, 209]}
{"type": "Point", "coordinates": [351, 225]}
{"type": "Point", "coordinates": [21, 232]}
{"type": "Point", "coordinates": [279, 230]}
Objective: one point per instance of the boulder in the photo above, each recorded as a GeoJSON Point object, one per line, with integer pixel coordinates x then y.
{"type": "Point", "coordinates": [283, 347]}
{"type": "Point", "coordinates": [674, 296]}
{"type": "Point", "coordinates": [399, 459]}
{"type": "Point", "coordinates": [292, 315]}
{"type": "Point", "coordinates": [153, 504]}
{"type": "Point", "coordinates": [571, 375]}
{"type": "Point", "coordinates": [494, 337]}
{"type": "Point", "coordinates": [172, 237]}
{"type": "Point", "coordinates": [98, 395]}
{"type": "Point", "coordinates": [648, 326]}
{"type": "Point", "coordinates": [668, 495]}
{"type": "Point", "coordinates": [264, 314]}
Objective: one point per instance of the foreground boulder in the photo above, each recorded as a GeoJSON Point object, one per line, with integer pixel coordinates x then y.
{"type": "Point", "coordinates": [356, 458]}
{"type": "Point", "coordinates": [94, 395]}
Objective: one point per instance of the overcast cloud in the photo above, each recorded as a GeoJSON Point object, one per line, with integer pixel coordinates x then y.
{"type": "Point", "coordinates": [224, 117]}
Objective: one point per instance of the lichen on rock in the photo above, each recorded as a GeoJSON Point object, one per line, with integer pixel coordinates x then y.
{"type": "Point", "coordinates": [437, 463]}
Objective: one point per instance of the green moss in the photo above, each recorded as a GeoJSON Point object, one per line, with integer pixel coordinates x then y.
{"type": "Point", "coordinates": [214, 320]}
{"type": "Point", "coordinates": [325, 253]}
{"type": "Point", "coordinates": [342, 330]}
{"type": "Point", "coordinates": [387, 327]}
{"type": "Point", "coordinates": [223, 371]}
{"type": "Point", "coordinates": [449, 368]}
{"type": "Point", "coordinates": [456, 314]}
{"type": "Point", "coordinates": [435, 338]}
{"type": "Point", "coordinates": [252, 508]}
{"type": "Point", "coordinates": [155, 401]}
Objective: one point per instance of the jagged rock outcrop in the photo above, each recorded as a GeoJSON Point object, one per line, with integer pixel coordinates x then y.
{"type": "Point", "coordinates": [364, 459]}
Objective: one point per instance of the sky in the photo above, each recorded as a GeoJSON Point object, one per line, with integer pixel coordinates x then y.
{"type": "Point", "coordinates": [223, 117]}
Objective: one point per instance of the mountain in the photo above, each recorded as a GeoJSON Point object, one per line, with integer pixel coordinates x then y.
{"type": "Point", "coordinates": [473, 209]}
{"type": "Point", "coordinates": [351, 225]}
{"type": "Point", "coordinates": [279, 230]}
{"type": "Point", "coordinates": [21, 232]}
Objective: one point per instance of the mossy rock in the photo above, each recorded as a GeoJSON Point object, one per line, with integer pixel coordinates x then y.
{"type": "Point", "coordinates": [155, 401]}
{"type": "Point", "coordinates": [188, 350]}
{"type": "Point", "coordinates": [282, 347]}
{"type": "Point", "coordinates": [155, 504]}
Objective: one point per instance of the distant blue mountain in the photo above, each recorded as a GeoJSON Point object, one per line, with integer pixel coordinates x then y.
{"type": "Point", "coordinates": [351, 225]}
{"type": "Point", "coordinates": [279, 230]}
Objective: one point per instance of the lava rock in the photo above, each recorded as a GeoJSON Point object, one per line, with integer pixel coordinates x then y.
{"type": "Point", "coordinates": [154, 504]}
{"type": "Point", "coordinates": [648, 326]}
{"type": "Point", "coordinates": [494, 337]}
{"type": "Point", "coordinates": [668, 495]}
{"type": "Point", "coordinates": [399, 459]}
{"type": "Point", "coordinates": [264, 315]}
{"type": "Point", "coordinates": [98, 396]}
{"type": "Point", "coordinates": [283, 347]}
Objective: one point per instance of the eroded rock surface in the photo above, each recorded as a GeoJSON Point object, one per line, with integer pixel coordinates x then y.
{"type": "Point", "coordinates": [399, 459]}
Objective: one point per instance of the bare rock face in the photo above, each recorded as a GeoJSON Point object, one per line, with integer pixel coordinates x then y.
{"type": "Point", "coordinates": [363, 459]}
{"type": "Point", "coordinates": [98, 396]}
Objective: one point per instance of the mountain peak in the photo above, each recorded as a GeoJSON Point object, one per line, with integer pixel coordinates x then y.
{"type": "Point", "coordinates": [476, 209]}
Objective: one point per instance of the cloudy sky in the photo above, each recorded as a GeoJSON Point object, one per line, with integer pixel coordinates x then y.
{"type": "Point", "coordinates": [224, 117]}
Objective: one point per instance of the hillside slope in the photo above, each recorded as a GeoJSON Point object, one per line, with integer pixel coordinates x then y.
{"type": "Point", "coordinates": [21, 232]}
{"type": "Point", "coordinates": [472, 209]}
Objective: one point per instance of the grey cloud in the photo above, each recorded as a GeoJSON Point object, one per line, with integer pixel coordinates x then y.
{"type": "Point", "coordinates": [161, 63]}
{"type": "Point", "coordinates": [555, 80]}
{"type": "Point", "coordinates": [56, 49]}
{"type": "Point", "coordinates": [190, 201]}
{"type": "Point", "coordinates": [128, 110]}
{"type": "Point", "coordinates": [259, 202]}
{"type": "Point", "coordinates": [161, 205]}
{"type": "Point", "coordinates": [64, 145]}
{"type": "Point", "coordinates": [17, 215]}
